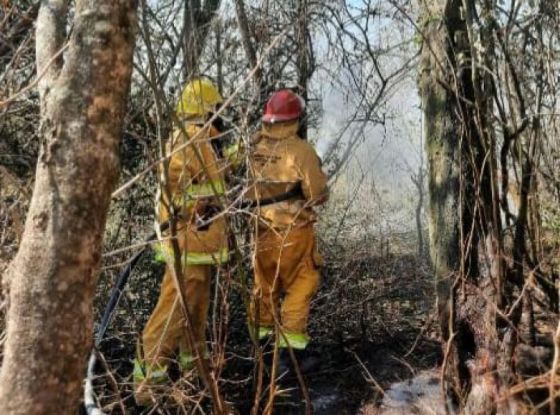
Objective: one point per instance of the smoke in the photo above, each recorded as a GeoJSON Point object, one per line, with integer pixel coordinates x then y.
{"type": "Point", "coordinates": [377, 175]}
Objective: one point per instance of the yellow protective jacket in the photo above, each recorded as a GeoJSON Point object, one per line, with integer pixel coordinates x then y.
{"type": "Point", "coordinates": [279, 160]}
{"type": "Point", "coordinates": [196, 179]}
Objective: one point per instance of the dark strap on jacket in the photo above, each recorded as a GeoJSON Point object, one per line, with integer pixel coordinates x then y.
{"type": "Point", "coordinates": [294, 193]}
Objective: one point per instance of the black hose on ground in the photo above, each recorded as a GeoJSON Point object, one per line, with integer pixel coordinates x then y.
{"type": "Point", "coordinates": [116, 294]}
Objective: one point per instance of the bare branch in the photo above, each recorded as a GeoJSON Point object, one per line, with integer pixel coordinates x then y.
{"type": "Point", "coordinates": [50, 35]}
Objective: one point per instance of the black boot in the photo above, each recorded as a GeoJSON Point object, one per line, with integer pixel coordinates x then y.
{"type": "Point", "coordinates": [285, 380]}
{"type": "Point", "coordinates": [284, 363]}
{"type": "Point", "coordinates": [307, 362]}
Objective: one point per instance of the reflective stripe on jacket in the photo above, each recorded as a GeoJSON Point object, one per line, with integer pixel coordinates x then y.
{"type": "Point", "coordinates": [193, 192]}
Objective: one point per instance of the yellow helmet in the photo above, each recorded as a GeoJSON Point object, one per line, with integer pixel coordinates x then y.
{"type": "Point", "coordinates": [199, 97]}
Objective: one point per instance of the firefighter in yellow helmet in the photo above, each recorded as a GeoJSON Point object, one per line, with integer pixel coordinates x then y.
{"type": "Point", "coordinates": [286, 259]}
{"type": "Point", "coordinates": [195, 183]}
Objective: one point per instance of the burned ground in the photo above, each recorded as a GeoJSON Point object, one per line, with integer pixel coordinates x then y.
{"type": "Point", "coordinates": [372, 324]}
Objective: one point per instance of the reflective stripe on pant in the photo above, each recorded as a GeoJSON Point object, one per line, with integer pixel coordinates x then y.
{"type": "Point", "coordinates": [154, 374]}
{"type": "Point", "coordinates": [284, 264]}
{"type": "Point", "coordinates": [165, 331]}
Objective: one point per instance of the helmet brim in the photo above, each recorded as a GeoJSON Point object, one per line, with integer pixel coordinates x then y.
{"type": "Point", "coordinates": [271, 119]}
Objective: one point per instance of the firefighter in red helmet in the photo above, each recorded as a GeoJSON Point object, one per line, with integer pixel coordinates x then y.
{"type": "Point", "coordinates": [286, 259]}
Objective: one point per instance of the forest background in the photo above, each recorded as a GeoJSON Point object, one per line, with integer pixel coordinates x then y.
{"type": "Point", "coordinates": [427, 115]}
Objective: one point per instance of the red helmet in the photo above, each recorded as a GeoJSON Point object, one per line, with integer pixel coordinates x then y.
{"type": "Point", "coordinates": [283, 105]}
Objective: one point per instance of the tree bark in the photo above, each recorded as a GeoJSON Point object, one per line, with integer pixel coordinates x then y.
{"type": "Point", "coordinates": [444, 136]}
{"type": "Point", "coordinates": [418, 181]}
{"type": "Point", "coordinates": [51, 33]}
{"type": "Point", "coordinates": [466, 235]}
{"type": "Point", "coordinates": [248, 46]}
{"type": "Point", "coordinates": [304, 63]}
{"type": "Point", "coordinates": [53, 277]}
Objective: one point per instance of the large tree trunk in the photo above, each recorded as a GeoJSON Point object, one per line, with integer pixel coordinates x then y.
{"type": "Point", "coordinates": [53, 277]}
{"type": "Point", "coordinates": [442, 137]}
{"type": "Point", "coordinates": [465, 228]}
{"type": "Point", "coordinates": [450, 220]}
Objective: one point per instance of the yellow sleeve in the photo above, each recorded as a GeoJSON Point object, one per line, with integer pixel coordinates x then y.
{"type": "Point", "coordinates": [183, 165]}
{"type": "Point", "coordinates": [314, 180]}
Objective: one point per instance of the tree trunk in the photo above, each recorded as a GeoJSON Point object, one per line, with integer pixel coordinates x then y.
{"type": "Point", "coordinates": [197, 19]}
{"type": "Point", "coordinates": [449, 219]}
{"type": "Point", "coordinates": [466, 235]}
{"type": "Point", "coordinates": [304, 63]}
{"type": "Point", "coordinates": [442, 137]}
{"type": "Point", "coordinates": [248, 46]}
{"type": "Point", "coordinates": [53, 277]}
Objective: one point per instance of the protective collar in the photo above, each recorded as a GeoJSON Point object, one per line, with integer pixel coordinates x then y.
{"type": "Point", "coordinates": [280, 130]}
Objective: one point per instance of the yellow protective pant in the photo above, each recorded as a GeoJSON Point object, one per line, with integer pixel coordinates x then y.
{"type": "Point", "coordinates": [285, 263]}
{"type": "Point", "coordinates": [165, 331]}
